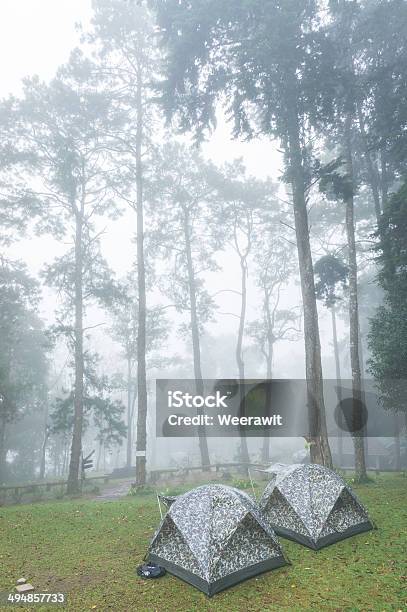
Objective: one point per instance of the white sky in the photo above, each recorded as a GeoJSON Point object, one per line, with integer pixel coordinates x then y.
{"type": "Point", "coordinates": [36, 36]}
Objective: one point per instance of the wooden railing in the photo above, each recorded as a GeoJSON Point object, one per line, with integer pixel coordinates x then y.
{"type": "Point", "coordinates": [184, 470]}
{"type": "Point", "coordinates": [17, 491]}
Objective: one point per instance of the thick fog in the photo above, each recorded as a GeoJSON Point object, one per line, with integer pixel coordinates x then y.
{"type": "Point", "coordinates": [36, 37]}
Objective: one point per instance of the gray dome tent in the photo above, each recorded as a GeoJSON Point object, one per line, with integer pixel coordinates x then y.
{"type": "Point", "coordinates": [213, 537]}
{"type": "Point", "coordinates": [312, 505]}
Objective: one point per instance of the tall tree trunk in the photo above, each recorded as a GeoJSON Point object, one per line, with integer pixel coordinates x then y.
{"type": "Point", "coordinates": [397, 449]}
{"type": "Point", "coordinates": [378, 182]}
{"type": "Point", "coordinates": [318, 437]}
{"type": "Point", "coordinates": [60, 456]}
{"type": "Point", "coordinates": [372, 173]}
{"type": "Point", "coordinates": [384, 179]}
{"type": "Point", "coordinates": [99, 455]}
{"type": "Point", "coordinates": [44, 443]}
{"type": "Point", "coordinates": [265, 453]}
{"type": "Point", "coordinates": [56, 456]}
{"type": "Point", "coordinates": [76, 448]}
{"type": "Point", "coordinates": [358, 440]}
{"type": "Point", "coordinates": [196, 348]}
{"type": "Point", "coordinates": [129, 450]}
{"type": "Point", "coordinates": [338, 380]}
{"type": "Point", "coordinates": [3, 449]}
{"type": "Point", "coordinates": [141, 442]}
{"type": "Point", "coordinates": [65, 454]}
{"type": "Point", "coordinates": [363, 389]}
{"type": "Point", "coordinates": [270, 337]}
{"type": "Point", "coordinates": [244, 452]}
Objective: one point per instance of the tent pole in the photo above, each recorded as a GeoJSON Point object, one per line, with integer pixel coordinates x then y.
{"type": "Point", "coordinates": [159, 506]}
{"type": "Point", "coordinates": [251, 482]}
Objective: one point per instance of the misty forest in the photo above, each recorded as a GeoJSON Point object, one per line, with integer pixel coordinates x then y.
{"type": "Point", "coordinates": [203, 190]}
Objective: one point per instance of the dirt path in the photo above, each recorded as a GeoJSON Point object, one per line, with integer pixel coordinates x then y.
{"type": "Point", "coordinates": [114, 491]}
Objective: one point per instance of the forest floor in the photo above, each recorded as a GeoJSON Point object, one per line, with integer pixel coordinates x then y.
{"type": "Point", "coordinates": [90, 550]}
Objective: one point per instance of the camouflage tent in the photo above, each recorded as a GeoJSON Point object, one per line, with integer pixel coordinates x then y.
{"type": "Point", "coordinates": [213, 537]}
{"type": "Point", "coordinates": [312, 505]}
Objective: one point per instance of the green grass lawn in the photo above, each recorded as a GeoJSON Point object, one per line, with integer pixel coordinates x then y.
{"type": "Point", "coordinates": [90, 550]}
